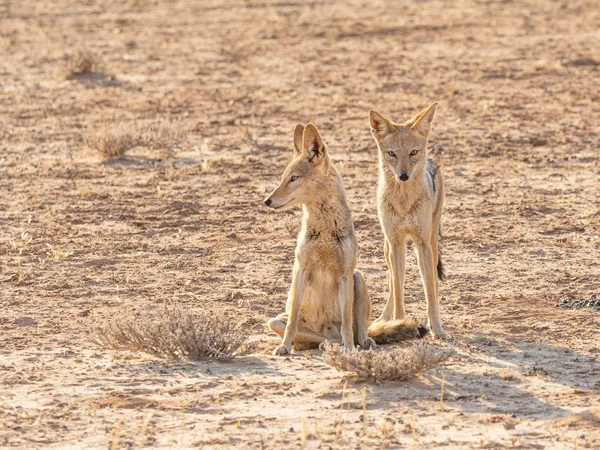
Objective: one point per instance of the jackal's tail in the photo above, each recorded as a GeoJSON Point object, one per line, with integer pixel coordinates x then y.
{"type": "Point", "coordinates": [440, 265]}
{"type": "Point", "coordinates": [385, 332]}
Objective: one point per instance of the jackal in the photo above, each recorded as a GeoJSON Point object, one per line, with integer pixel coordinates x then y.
{"type": "Point", "coordinates": [409, 200]}
{"type": "Point", "coordinates": [328, 300]}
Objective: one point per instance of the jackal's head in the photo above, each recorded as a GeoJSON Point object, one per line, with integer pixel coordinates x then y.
{"type": "Point", "coordinates": [305, 173]}
{"type": "Point", "coordinates": [402, 147]}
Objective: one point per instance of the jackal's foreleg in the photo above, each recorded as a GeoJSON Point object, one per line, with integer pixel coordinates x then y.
{"type": "Point", "coordinates": [299, 281]}
{"type": "Point", "coordinates": [395, 257]}
{"type": "Point", "coordinates": [429, 277]}
{"type": "Point", "coordinates": [396, 262]}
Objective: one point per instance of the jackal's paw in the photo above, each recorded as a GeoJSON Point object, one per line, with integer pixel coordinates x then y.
{"type": "Point", "coordinates": [323, 345]}
{"type": "Point", "coordinates": [368, 344]}
{"type": "Point", "coordinates": [282, 350]}
{"type": "Point", "coordinates": [440, 334]}
{"type": "Point", "coordinates": [348, 348]}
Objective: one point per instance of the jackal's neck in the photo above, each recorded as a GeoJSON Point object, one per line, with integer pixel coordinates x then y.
{"type": "Point", "coordinates": [328, 208]}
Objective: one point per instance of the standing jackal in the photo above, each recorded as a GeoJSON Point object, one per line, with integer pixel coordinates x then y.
{"type": "Point", "coordinates": [328, 300]}
{"type": "Point", "coordinates": [409, 201]}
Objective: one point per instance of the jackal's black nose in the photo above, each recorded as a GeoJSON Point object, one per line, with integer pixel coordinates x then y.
{"type": "Point", "coordinates": [268, 201]}
{"type": "Point", "coordinates": [403, 177]}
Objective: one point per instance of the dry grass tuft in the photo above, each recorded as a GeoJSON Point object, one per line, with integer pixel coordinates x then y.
{"type": "Point", "coordinates": [175, 334]}
{"type": "Point", "coordinates": [291, 225]}
{"type": "Point", "coordinates": [114, 139]}
{"type": "Point", "coordinates": [212, 165]}
{"type": "Point", "coordinates": [83, 62]}
{"type": "Point", "coordinates": [398, 364]}
{"type": "Point", "coordinates": [111, 140]}
{"type": "Point", "coordinates": [162, 134]}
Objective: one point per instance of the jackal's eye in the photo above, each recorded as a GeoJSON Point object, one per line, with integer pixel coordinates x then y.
{"type": "Point", "coordinates": [392, 154]}
{"type": "Point", "coordinates": [414, 152]}
{"type": "Point", "coordinates": [294, 178]}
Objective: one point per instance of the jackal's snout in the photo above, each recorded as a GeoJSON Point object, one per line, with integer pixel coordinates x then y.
{"type": "Point", "coordinates": [403, 177]}
{"type": "Point", "coordinates": [268, 201]}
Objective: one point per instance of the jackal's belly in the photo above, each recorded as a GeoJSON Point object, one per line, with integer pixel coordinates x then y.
{"type": "Point", "coordinates": [320, 308]}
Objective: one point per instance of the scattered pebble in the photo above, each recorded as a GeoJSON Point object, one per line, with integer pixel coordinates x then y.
{"type": "Point", "coordinates": [569, 303]}
{"type": "Point", "coordinates": [25, 321]}
{"type": "Point", "coordinates": [536, 371]}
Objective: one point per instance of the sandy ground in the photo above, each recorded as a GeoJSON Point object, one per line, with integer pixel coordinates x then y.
{"type": "Point", "coordinates": [84, 240]}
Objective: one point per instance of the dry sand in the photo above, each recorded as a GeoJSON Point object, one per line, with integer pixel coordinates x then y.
{"type": "Point", "coordinates": [84, 240]}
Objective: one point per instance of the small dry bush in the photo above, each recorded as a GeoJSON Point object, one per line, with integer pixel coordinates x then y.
{"type": "Point", "coordinates": [111, 140]}
{"type": "Point", "coordinates": [82, 62]}
{"type": "Point", "coordinates": [291, 226]}
{"type": "Point", "coordinates": [175, 334]}
{"type": "Point", "coordinates": [162, 134]}
{"type": "Point", "coordinates": [114, 139]}
{"type": "Point", "coordinates": [398, 364]}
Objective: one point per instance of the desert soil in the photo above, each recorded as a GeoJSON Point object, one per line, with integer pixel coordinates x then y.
{"type": "Point", "coordinates": [85, 240]}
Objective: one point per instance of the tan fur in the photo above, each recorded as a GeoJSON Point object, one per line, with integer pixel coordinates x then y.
{"type": "Point", "coordinates": [328, 299]}
{"type": "Point", "coordinates": [384, 332]}
{"type": "Point", "coordinates": [410, 209]}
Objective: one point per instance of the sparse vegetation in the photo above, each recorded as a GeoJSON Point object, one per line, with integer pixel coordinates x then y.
{"type": "Point", "coordinates": [291, 225]}
{"type": "Point", "coordinates": [209, 93]}
{"type": "Point", "coordinates": [56, 254]}
{"type": "Point", "coordinates": [399, 364]}
{"type": "Point", "coordinates": [111, 140]}
{"type": "Point", "coordinates": [82, 62]}
{"type": "Point", "coordinates": [175, 334]}
{"type": "Point", "coordinates": [161, 134]}
{"type": "Point", "coordinates": [211, 165]}
{"type": "Point", "coordinates": [114, 139]}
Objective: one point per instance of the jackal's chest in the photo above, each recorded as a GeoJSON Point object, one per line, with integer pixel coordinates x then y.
{"type": "Point", "coordinates": [400, 218]}
{"type": "Point", "coordinates": [332, 254]}
{"type": "Point", "coordinates": [320, 306]}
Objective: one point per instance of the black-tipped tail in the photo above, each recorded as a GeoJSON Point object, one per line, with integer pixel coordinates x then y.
{"type": "Point", "coordinates": [423, 331]}
{"type": "Point", "coordinates": [440, 268]}
{"type": "Point", "coordinates": [399, 330]}
{"type": "Point", "coordinates": [440, 265]}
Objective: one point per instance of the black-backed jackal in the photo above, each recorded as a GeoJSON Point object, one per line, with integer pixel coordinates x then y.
{"type": "Point", "coordinates": [409, 200]}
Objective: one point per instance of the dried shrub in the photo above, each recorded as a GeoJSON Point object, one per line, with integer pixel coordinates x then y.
{"type": "Point", "coordinates": [83, 62]}
{"type": "Point", "coordinates": [114, 139]}
{"type": "Point", "coordinates": [175, 334]}
{"type": "Point", "coordinates": [111, 140]}
{"type": "Point", "coordinates": [162, 134]}
{"type": "Point", "coordinates": [397, 363]}
{"type": "Point", "coordinates": [291, 225]}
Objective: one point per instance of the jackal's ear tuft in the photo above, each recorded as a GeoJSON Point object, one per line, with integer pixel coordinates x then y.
{"type": "Point", "coordinates": [421, 123]}
{"type": "Point", "coordinates": [312, 144]}
{"type": "Point", "coordinates": [298, 132]}
{"type": "Point", "coordinates": [380, 126]}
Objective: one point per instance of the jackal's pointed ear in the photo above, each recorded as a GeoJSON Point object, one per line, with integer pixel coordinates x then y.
{"type": "Point", "coordinates": [298, 132]}
{"type": "Point", "coordinates": [380, 126]}
{"type": "Point", "coordinates": [312, 144]}
{"type": "Point", "coordinates": [421, 123]}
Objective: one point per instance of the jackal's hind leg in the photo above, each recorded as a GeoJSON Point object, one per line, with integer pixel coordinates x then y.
{"type": "Point", "coordinates": [305, 339]}
{"type": "Point", "coordinates": [388, 310]}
